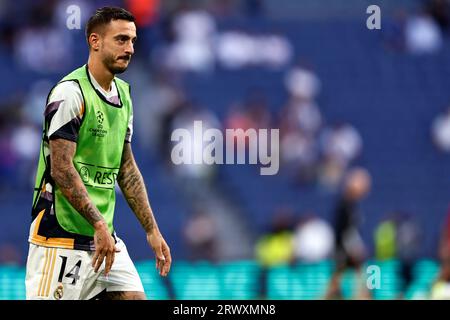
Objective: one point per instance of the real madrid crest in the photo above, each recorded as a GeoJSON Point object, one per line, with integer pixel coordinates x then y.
{"type": "Point", "coordinates": [59, 292]}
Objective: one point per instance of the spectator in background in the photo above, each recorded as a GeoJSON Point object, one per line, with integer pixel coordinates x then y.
{"type": "Point", "coordinates": [19, 146]}
{"type": "Point", "coordinates": [226, 49]}
{"type": "Point", "coordinates": [197, 176]}
{"type": "Point", "coordinates": [340, 144]}
{"type": "Point", "coordinates": [350, 249]}
{"type": "Point", "coordinates": [277, 246]}
{"type": "Point", "coordinates": [31, 49]}
{"type": "Point", "coordinates": [299, 155]}
{"type": "Point", "coordinates": [440, 11]}
{"type": "Point", "coordinates": [26, 140]}
{"type": "Point", "coordinates": [157, 98]}
{"type": "Point", "coordinates": [440, 290]}
{"type": "Point", "coordinates": [35, 99]}
{"type": "Point", "coordinates": [167, 120]}
{"type": "Point", "coordinates": [32, 41]}
{"type": "Point", "coordinates": [236, 49]}
{"type": "Point", "coordinates": [422, 34]}
{"type": "Point", "coordinates": [238, 118]}
{"type": "Point", "coordinates": [440, 131]}
{"type": "Point", "coordinates": [200, 233]}
{"type": "Point", "coordinates": [398, 237]}
{"type": "Point", "coordinates": [274, 50]}
{"type": "Point", "coordinates": [192, 49]}
{"type": "Point", "coordinates": [300, 123]}
{"type": "Point", "coordinates": [313, 239]}
{"type": "Point", "coordinates": [257, 109]}
{"type": "Point", "coordinates": [408, 244]}
{"type": "Point", "coordinates": [302, 83]}
{"type": "Point", "coordinates": [384, 239]}
{"type": "Point", "coordinates": [8, 158]}
{"type": "Point", "coordinates": [146, 13]}
{"type": "Point", "coordinates": [441, 286]}
{"type": "Point", "coordinates": [303, 115]}
{"type": "Point", "coordinates": [252, 114]}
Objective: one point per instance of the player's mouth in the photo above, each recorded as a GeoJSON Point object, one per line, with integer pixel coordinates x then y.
{"type": "Point", "coordinates": [124, 58]}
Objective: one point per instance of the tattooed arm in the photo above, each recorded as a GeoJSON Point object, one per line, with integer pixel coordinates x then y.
{"type": "Point", "coordinates": [132, 185]}
{"type": "Point", "coordinates": [69, 182]}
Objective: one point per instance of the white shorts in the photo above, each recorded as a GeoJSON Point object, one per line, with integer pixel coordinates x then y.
{"type": "Point", "coordinates": [64, 274]}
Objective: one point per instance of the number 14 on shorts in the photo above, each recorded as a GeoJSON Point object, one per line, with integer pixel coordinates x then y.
{"type": "Point", "coordinates": [74, 272]}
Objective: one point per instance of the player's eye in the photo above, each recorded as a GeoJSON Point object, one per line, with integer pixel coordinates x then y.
{"type": "Point", "coordinates": [122, 40]}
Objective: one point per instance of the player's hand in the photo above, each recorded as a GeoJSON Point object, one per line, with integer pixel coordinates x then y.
{"type": "Point", "coordinates": [162, 252]}
{"type": "Point", "coordinates": [104, 248]}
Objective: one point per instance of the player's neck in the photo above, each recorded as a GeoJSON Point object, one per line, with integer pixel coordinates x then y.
{"type": "Point", "coordinates": [102, 75]}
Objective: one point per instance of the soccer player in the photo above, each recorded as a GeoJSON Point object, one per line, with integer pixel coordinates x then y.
{"type": "Point", "coordinates": [74, 252]}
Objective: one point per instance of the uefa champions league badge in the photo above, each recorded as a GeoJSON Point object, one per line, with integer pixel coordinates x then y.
{"type": "Point", "coordinates": [59, 292]}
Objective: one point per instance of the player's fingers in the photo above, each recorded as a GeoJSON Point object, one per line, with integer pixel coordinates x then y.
{"type": "Point", "coordinates": [167, 264]}
{"type": "Point", "coordinates": [159, 253]}
{"type": "Point", "coordinates": [161, 267]}
{"type": "Point", "coordinates": [113, 259]}
{"type": "Point", "coordinates": [165, 269]}
{"type": "Point", "coordinates": [167, 254]}
{"type": "Point", "coordinates": [109, 262]}
{"type": "Point", "coordinates": [99, 262]}
{"type": "Point", "coordinates": [95, 257]}
{"type": "Point", "coordinates": [168, 261]}
{"type": "Point", "coordinates": [160, 263]}
{"type": "Point", "coordinates": [159, 257]}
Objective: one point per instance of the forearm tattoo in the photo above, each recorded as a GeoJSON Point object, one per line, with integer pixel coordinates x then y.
{"type": "Point", "coordinates": [68, 180]}
{"type": "Point", "coordinates": [132, 185]}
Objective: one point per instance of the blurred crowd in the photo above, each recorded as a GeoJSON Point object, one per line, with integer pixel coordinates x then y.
{"type": "Point", "coordinates": [185, 38]}
{"type": "Point", "coordinates": [312, 239]}
{"type": "Point", "coordinates": [420, 32]}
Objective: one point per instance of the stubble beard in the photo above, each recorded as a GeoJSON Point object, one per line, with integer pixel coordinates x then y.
{"type": "Point", "coordinates": [109, 62]}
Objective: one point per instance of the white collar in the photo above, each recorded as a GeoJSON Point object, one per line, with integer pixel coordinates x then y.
{"type": "Point", "coordinates": [112, 92]}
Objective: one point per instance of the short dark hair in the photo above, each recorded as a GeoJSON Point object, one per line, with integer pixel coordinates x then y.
{"type": "Point", "coordinates": [105, 15]}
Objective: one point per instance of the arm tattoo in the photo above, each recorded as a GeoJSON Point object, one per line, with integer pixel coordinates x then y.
{"type": "Point", "coordinates": [132, 185]}
{"type": "Point", "coordinates": [68, 180]}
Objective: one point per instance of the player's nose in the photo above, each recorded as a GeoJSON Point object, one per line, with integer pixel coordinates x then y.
{"type": "Point", "coordinates": [129, 50]}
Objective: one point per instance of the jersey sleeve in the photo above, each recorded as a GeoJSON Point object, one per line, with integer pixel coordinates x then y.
{"type": "Point", "coordinates": [130, 128]}
{"type": "Point", "coordinates": [64, 111]}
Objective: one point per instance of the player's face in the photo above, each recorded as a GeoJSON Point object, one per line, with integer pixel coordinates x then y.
{"type": "Point", "coordinates": [118, 45]}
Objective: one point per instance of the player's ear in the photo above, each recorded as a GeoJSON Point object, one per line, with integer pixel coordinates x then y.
{"type": "Point", "coordinates": [94, 41]}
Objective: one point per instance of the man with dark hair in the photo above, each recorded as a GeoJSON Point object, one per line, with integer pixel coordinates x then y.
{"type": "Point", "coordinates": [350, 250]}
{"type": "Point", "coordinates": [74, 251]}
